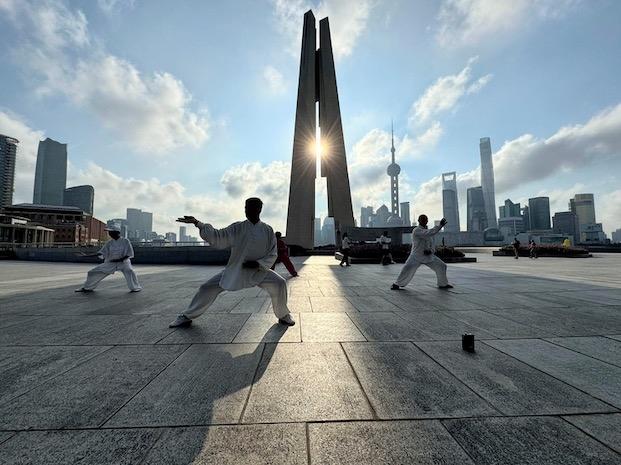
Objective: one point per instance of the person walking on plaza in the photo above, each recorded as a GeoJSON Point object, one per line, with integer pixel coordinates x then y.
{"type": "Point", "coordinates": [516, 247]}
{"type": "Point", "coordinates": [283, 256]}
{"type": "Point", "coordinates": [253, 252]}
{"type": "Point", "coordinates": [532, 249]}
{"type": "Point", "coordinates": [345, 246]}
{"type": "Point", "coordinates": [117, 254]}
{"type": "Point", "coordinates": [422, 254]}
{"type": "Point", "coordinates": [385, 241]}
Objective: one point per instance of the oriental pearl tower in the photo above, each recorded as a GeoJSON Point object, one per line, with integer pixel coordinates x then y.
{"type": "Point", "coordinates": [393, 171]}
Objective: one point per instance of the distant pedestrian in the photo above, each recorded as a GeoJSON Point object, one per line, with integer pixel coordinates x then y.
{"type": "Point", "coordinates": [283, 256]}
{"type": "Point", "coordinates": [117, 254]}
{"type": "Point", "coordinates": [253, 252]}
{"type": "Point", "coordinates": [566, 243]}
{"type": "Point", "coordinates": [385, 241]}
{"type": "Point", "coordinates": [516, 247]}
{"type": "Point", "coordinates": [422, 254]}
{"type": "Point", "coordinates": [532, 249]}
{"type": "Point", "coordinates": [345, 247]}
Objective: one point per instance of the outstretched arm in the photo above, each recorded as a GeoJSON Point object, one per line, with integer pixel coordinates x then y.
{"type": "Point", "coordinates": [219, 238]}
{"type": "Point", "coordinates": [419, 232]}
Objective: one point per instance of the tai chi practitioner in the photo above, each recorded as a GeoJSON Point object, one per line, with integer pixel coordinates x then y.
{"type": "Point", "coordinates": [345, 247]}
{"type": "Point", "coordinates": [422, 254]}
{"type": "Point", "coordinates": [385, 241]}
{"type": "Point", "coordinates": [253, 252]}
{"type": "Point", "coordinates": [117, 254]}
{"type": "Point", "coordinates": [283, 256]}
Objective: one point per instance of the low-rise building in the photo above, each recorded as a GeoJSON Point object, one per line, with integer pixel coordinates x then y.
{"type": "Point", "coordinates": [19, 230]}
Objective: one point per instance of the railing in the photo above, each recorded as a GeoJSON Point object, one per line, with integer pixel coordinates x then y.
{"type": "Point", "coordinates": [61, 245]}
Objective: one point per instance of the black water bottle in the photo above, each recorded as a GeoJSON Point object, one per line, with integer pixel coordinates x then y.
{"type": "Point", "coordinates": [467, 342]}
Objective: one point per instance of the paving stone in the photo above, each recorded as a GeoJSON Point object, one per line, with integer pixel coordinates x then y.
{"type": "Point", "coordinates": [119, 447]}
{"type": "Point", "coordinates": [331, 304]}
{"type": "Point", "coordinates": [403, 382]}
{"type": "Point", "coordinates": [567, 326]}
{"type": "Point", "coordinates": [223, 304]}
{"type": "Point", "coordinates": [394, 442]}
{"type": "Point", "coordinates": [604, 427]}
{"type": "Point", "coordinates": [207, 384]}
{"type": "Point", "coordinates": [305, 382]}
{"type": "Point", "coordinates": [87, 394]}
{"type": "Point", "coordinates": [616, 337]}
{"type": "Point", "coordinates": [409, 301]}
{"type": "Point", "coordinates": [23, 368]}
{"type": "Point", "coordinates": [5, 436]}
{"type": "Point", "coordinates": [511, 386]}
{"type": "Point", "coordinates": [250, 305]}
{"type": "Point", "coordinates": [232, 445]}
{"type": "Point", "coordinates": [437, 326]}
{"type": "Point", "coordinates": [373, 303]}
{"type": "Point", "coordinates": [497, 325]}
{"type": "Point", "coordinates": [297, 305]}
{"type": "Point", "coordinates": [530, 440]}
{"type": "Point", "coordinates": [265, 328]}
{"type": "Point", "coordinates": [209, 328]}
{"type": "Point", "coordinates": [597, 378]}
{"type": "Point", "coordinates": [328, 327]}
{"type": "Point", "coordinates": [601, 348]}
{"type": "Point", "coordinates": [385, 326]}
{"type": "Point", "coordinates": [15, 319]}
{"type": "Point", "coordinates": [91, 330]}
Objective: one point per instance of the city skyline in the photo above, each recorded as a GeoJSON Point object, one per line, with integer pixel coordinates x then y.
{"type": "Point", "coordinates": [444, 97]}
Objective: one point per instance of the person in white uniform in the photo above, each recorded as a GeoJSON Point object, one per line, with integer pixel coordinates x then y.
{"type": "Point", "coordinates": [117, 254]}
{"type": "Point", "coordinates": [422, 254]}
{"type": "Point", "coordinates": [253, 252]}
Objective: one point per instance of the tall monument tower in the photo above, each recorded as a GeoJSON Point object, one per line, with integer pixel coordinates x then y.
{"type": "Point", "coordinates": [393, 171]}
{"type": "Point", "coordinates": [317, 83]}
{"type": "Point", "coordinates": [450, 205]}
{"type": "Point", "coordinates": [487, 181]}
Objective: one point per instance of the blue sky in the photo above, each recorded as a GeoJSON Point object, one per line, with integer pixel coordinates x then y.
{"type": "Point", "coordinates": [188, 106]}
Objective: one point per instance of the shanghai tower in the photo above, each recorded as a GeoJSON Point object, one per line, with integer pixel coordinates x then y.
{"type": "Point", "coordinates": [487, 182]}
{"type": "Point", "coordinates": [317, 83]}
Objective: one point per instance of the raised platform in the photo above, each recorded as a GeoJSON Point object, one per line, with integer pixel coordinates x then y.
{"type": "Point", "coordinates": [367, 376]}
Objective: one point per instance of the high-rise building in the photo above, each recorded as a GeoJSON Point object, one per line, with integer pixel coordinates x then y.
{"type": "Point", "coordinates": [526, 217]}
{"type": "Point", "coordinates": [317, 240]}
{"type": "Point", "coordinates": [539, 212]}
{"type": "Point", "coordinates": [593, 233]}
{"type": "Point", "coordinates": [616, 236]}
{"type": "Point", "coordinates": [139, 224]}
{"type": "Point", "coordinates": [328, 233]}
{"type": "Point", "coordinates": [171, 237]}
{"type": "Point", "coordinates": [51, 173]}
{"type": "Point", "coordinates": [317, 83]}
{"type": "Point", "coordinates": [509, 209]}
{"type": "Point", "coordinates": [405, 214]}
{"type": "Point", "coordinates": [366, 213]}
{"type": "Point", "coordinates": [393, 171]}
{"type": "Point", "coordinates": [477, 218]}
{"type": "Point", "coordinates": [487, 181]}
{"type": "Point", "coordinates": [8, 157]}
{"type": "Point", "coordinates": [450, 205]}
{"type": "Point", "coordinates": [566, 223]}
{"type": "Point", "coordinates": [583, 205]}
{"type": "Point", "coordinates": [82, 197]}
{"type": "Point", "coordinates": [509, 226]}
{"type": "Point", "coordinates": [183, 234]}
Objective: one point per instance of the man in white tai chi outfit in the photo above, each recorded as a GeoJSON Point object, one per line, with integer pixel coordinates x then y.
{"type": "Point", "coordinates": [422, 254]}
{"type": "Point", "coordinates": [117, 254]}
{"type": "Point", "coordinates": [253, 252]}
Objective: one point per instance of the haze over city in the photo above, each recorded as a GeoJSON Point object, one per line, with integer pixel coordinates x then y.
{"type": "Point", "coordinates": [193, 114]}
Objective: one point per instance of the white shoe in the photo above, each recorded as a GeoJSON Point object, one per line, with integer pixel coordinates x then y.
{"type": "Point", "coordinates": [180, 321]}
{"type": "Point", "coordinates": [287, 320]}
{"type": "Point", "coordinates": [136, 290]}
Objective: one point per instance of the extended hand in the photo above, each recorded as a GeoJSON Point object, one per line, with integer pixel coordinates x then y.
{"type": "Point", "coordinates": [251, 264]}
{"type": "Point", "coordinates": [187, 219]}
{"type": "Point", "coordinates": [443, 221]}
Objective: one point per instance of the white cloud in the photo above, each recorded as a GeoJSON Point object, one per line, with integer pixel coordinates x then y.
{"type": "Point", "coordinates": [274, 80]}
{"type": "Point", "coordinates": [445, 93]}
{"type": "Point", "coordinates": [348, 21]}
{"type": "Point", "coordinates": [113, 6]}
{"type": "Point", "coordinates": [469, 22]}
{"type": "Point", "coordinates": [14, 126]}
{"type": "Point", "coordinates": [152, 113]}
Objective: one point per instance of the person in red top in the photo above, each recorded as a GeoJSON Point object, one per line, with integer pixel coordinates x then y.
{"type": "Point", "coordinates": [283, 255]}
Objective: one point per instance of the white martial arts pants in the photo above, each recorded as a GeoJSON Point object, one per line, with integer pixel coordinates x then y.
{"type": "Point", "coordinates": [98, 273]}
{"type": "Point", "coordinates": [274, 284]}
{"type": "Point", "coordinates": [411, 265]}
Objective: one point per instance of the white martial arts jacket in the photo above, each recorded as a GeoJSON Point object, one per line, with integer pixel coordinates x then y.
{"type": "Point", "coordinates": [422, 239]}
{"type": "Point", "coordinates": [248, 242]}
{"type": "Point", "coordinates": [117, 248]}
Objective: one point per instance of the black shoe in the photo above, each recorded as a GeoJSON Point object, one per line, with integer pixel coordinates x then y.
{"type": "Point", "coordinates": [394, 287]}
{"type": "Point", "coordinates": [448, 286]}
